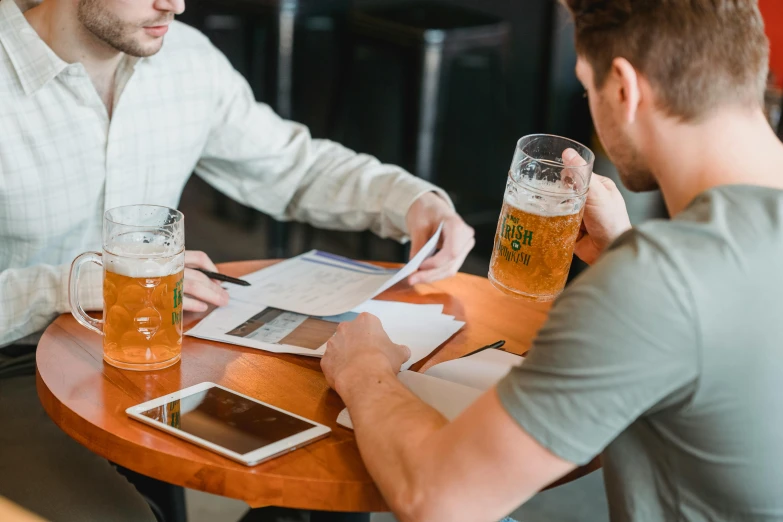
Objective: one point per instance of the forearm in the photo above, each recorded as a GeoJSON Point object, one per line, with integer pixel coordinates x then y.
{"type": "Point", "coordinates": [476, 468]}
{"type": "Point", "coordinates": [31, 297]}
{"type": "Point", "coordinates": [392, 439]}
{"type": "Point", "coordinates": [350, 191]}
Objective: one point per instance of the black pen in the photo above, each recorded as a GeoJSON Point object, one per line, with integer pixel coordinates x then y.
{"type": "Point", "coordinates": [496, 345]}
{"type": "Point", "coordinates": [222, 277]}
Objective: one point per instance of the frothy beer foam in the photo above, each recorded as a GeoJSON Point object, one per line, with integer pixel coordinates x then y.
{"type": "Point", "coordinates": [557, 201]}
{"type": "Point", "coordinates": [143, 260]}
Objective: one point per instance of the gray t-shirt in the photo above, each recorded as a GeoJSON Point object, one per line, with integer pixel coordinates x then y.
{"type": "Point", "coordinates": [666, 357]}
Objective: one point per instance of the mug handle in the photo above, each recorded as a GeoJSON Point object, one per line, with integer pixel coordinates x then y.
{"type": "Point", "coordinates": [96, 325]}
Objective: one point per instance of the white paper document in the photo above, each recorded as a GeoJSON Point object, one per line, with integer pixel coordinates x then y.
{"type": "Point", "coordinates": [451, 386]}
{"type": "Point", "coordinates": [420, 327]}
{"type": "Point", "coordinates": [321, 284]}
{"type": "Point", "coordinates": [480, 371]}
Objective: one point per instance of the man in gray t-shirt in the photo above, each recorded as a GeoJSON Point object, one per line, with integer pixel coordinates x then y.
{"type": "Point", "coordinates": [666, 356]}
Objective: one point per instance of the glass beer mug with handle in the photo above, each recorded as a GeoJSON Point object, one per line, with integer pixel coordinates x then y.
{"type": "Point", "coordinates": [541, 217]}
{"type": "Point", "coordinates": [143, 263]}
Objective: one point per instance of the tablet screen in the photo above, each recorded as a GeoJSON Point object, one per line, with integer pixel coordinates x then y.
{"type": "Point", "coordinates": [228, 420]}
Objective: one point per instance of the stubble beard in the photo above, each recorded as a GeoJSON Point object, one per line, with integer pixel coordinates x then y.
{"type": "Point", "coordinates": [634, 171]}
{"type": "Point", "coordinates": [113, 31]}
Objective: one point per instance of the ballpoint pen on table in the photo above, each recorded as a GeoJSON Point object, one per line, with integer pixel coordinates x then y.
{"type": "Point", "coordinates": [498, 345]}
{"type": "Point", "coordinates": [223, 277]}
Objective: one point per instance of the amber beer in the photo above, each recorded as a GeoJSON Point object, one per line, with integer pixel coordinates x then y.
{"type": "Point", "coordinates": [541, 216]}
{"type": "Point", "coordinates": [143, 259]}
{"type": "Point", "coordinates": [142, 311]}
{"type": "Point", "coordinates": [533, 252]}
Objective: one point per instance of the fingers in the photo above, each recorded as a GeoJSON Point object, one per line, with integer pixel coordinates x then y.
{"type": "Point", "coordinates": [198, 259]}
{"type": "Point", "coordinates": [201, 291]}
{"type": "Point", "coordinates": [441, 266]}
{"type": "Point", "coordinates": [363, 323]}
{"type": "Point", "coordinates": [571, 176]}
{"type": "Point", "coordinates": [602, 184]}
{"type": "Point", "coordinates": [458, 241]}
{"type": "Point", "coordinates": [603, 192]}
{"type": "Point", "coordinates": [607, 183]}
{"type": "Point", "coordinates": [193, 305]}
{"type": "Point", "coordinates": [571, 158]}
{"type": "Point", "coordinates": [598, 189]}
{"type": "Point", "coordinates": [369, 324]}
{"type": "Point", "coordinates": [370, 319]}
{"type": "Point", "coordinates": [360, 345]}
{"type": "Point", "coordinates": [404, 352]}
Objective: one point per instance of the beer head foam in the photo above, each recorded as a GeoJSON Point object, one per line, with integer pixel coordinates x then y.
{"type": "Point", "coordinates": [142, 260]}
{"type": "Point", "coordinates": [552, 200]}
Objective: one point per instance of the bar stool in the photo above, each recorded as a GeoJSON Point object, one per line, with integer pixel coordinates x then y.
{"type": "Point", "coordinates": [260, 38]}
{"type": "Point", "coordinates": [270, 26]}
{"type": "Point", "coordinates": [431, 37]}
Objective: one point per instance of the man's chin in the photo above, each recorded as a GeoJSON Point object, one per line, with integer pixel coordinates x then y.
{"type": "Point", "coordinates": [638, 181]}
{"type": "Point", "coordinates": [145, 49]}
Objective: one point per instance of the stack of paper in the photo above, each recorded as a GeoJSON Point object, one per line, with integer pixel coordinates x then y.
{"type": "Point", "coordinates": [296, 305]}
{"type": "Point", "coordinates": [422, 328]}
{"type": "Point", "coordinates": [450, 387]}
{"type": "Point", "coordinates": [322, 284]}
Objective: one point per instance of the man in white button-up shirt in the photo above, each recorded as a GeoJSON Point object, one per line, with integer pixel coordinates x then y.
{"type": "Point", "coordinates": [97, 112]}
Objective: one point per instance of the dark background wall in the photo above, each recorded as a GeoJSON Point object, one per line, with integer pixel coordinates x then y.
{"type": "Point", "coordinates": [484, 113]}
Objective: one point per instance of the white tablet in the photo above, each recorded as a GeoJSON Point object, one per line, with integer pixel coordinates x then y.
{"type": "Point", "coordinates": [226, 422]}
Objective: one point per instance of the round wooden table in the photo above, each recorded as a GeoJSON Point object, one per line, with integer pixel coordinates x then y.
{"type": "Point", "coordinates": [87, 399]}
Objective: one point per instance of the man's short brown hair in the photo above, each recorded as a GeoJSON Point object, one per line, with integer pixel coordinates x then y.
{"type": "Point", "coordinates": [697, 54]}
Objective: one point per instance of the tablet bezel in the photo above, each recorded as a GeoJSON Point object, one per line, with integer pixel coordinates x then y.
{"type": "Point", "coordinates": [252, 458]}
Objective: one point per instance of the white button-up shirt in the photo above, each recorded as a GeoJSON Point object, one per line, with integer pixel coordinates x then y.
{"type": "Point", "coordinates": [64, 162]}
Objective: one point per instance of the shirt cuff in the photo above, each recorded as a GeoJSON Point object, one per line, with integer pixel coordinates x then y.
{"type": "Point", "coordinates": [400, 200]}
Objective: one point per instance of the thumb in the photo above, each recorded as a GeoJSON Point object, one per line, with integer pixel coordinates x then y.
{"type": "Point", "coordinates": [571, 158]}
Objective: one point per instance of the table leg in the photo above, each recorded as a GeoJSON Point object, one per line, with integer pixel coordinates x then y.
{"type": "Point", "coordinates": [276, 514]}
{"type": "Point", "coordinates": [166, 500]}
{"type": "Point", "coordinates": [329, 516]}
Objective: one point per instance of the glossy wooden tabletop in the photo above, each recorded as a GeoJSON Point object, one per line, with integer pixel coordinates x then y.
{"type": "Point", "coordinates": [87, 399]}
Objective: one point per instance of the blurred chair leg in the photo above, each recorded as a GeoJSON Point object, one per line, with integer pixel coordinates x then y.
{"type": "Point", "coordinates": [277, 242]}
{"type": "Point", "coordinates": [308, 237]}
{"type": "Point", "coordinates": [328, 516]}
{"type": "Point", "coordinates": [276, 514]}
{"type": "Point", "coordinates": [430, 86]}
{"type": "Point", "coordinates": [165, 499]}
{"type": "Point", "coordinates": [345, 45]}
{"type": "Point", "coordinates": [365, 246]}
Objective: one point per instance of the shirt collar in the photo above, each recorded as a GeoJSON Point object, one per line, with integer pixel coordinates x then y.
{"type": "Point", "coordinates": [35, 63]}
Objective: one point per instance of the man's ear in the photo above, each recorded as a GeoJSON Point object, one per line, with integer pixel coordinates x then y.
{"type": "Point", "coordinates": [624, 80]}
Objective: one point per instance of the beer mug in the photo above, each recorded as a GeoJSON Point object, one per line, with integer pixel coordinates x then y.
{"type": "Point", "coordinates": [143, 263]}
{"type": "Point", "coordinates": [541, 217]}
